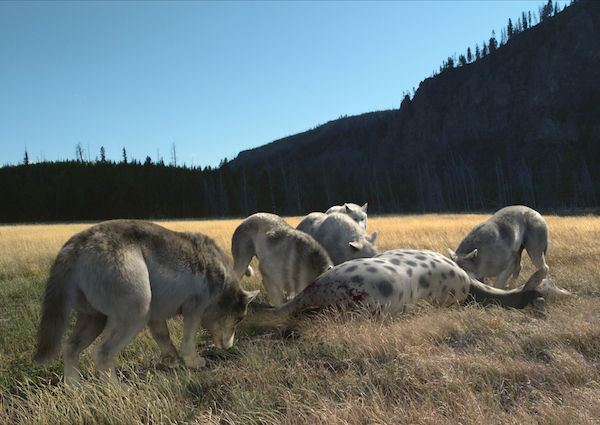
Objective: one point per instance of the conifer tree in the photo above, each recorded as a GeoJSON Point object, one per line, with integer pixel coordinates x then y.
{"type": "Point", "coordinates": [493, 44]}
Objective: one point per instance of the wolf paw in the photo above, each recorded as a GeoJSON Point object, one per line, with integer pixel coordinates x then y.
{"type": "Point", "coordinates": [170, 361]}
{"type": "Point", "coordinates": [195, 362]}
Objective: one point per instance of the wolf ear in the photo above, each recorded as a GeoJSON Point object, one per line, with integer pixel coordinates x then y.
{"type": "Point", "coordinates": [250, 295]}
{"type": "Point", "coordinates": [472, 254]}
{"type": "Point", "coordinates": [452, 254]}
{"type": "Point", "coordinates": [373, 236]}
{"type": "Point", "coordinates": [364, 207]}
{"type": "Point", "coordinates": [347, 208]}
{"type": "Point", "coordinates": [356, 245]}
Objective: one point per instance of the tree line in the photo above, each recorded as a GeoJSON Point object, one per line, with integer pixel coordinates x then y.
{"type": "Point", "coordinates": [82, 190]}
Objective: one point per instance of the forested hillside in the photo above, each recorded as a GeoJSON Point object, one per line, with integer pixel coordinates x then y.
{"type": "Point", "coordinates": [515, 121]}
{"type": "Point", "coordinates": [518, 125]}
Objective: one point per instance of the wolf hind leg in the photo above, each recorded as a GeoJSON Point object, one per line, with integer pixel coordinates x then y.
{"type": "Point", "coordinates": [274, 291]}
{"type": "Point", "coordinates": [536, 244]}
{"type": "Point", "coordinates": [242, 250]}
{"type": "Point", "coordinates": [127, 318]}
{"type": "Point", "coordinates": [86, 330]}
{"type": "Point", "coordinates": [160, 332]}
{"type": "Point", "coordinates": [537, 254]}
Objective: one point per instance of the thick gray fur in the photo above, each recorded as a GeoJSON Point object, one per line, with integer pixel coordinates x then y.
{"type": "Point", "coordinates": [344, 239]}
{"type": "Point", "coordinates": [122, 275]}
{"type": "Point", "coordinates": [312, 221]}
{"type": "Point", "coordinates": [493, 248]}
{"type": "Point", "coordinates": [288, 258]}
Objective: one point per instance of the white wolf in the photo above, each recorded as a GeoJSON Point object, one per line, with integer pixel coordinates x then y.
{"type": "Point", "coordinates": [288, 258]}
{"type": "Point", "coordinates": [494, 247]}
{"type": "Point", "coordinates": [121, 275]}
{"type": "Point", "coordinates": [394, 281]}
{"type": "Point", "coordinates": [312, 221]}
{"type": "Point", "coordinates": [343, 238]}
{"type": "Point", "coordinates": [355, 212]}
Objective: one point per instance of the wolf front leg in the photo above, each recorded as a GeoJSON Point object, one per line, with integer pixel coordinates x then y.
{"type": "Point", "coordinates": [189, 354]}
{"type": "Point", "coordinates": [511, 268]}
{"type": "Point", "coordinates": [160, 333]}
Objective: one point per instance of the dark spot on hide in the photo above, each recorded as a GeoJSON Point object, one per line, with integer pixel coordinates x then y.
{"type": "Point", "coordinates": [411, 263]}
{"type": "Point", "coordinates": [372, 269]}
{"type": "Point", "coordinates": [395, 261]}
{"type": "Point", "coordinates": [420, 257]}
{"type": "Point", "coordinates": [451, 273]}
{"type": "Point", "coordinates": [409, 272]}
{"type": "Point", "coordinates": [351, 268]}
{"type": "Point", "coordinates": [385, 288]}
{"type": "Point", "coordinates": [423, 283]}
{"type": "Point", "coordinates": [391, 269]}
{"type": "Point", "coordinates": [357, 279]}
{"type": "Point", "coordinates": [432, 264]}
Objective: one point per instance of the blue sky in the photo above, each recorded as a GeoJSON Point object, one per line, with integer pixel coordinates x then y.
{"type": "Point", "coordinates": [214, 78]}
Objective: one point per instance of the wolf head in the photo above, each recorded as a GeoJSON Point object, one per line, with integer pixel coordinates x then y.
{"type": "Point", "coordinates": [357, 213]}
{"type": "Point", "coordinates": [467, 262]}
{"type": "Point", "coordinates": [221, 318]}
{"type": "Point", "coordinates": [364, 247]}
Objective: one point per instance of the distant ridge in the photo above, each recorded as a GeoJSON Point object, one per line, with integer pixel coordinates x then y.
{"type": "Point", "coordinates": [519, 125]}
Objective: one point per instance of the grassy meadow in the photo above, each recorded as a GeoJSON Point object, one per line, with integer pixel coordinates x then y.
{"type": "Point", "coordinates": [463, 365]}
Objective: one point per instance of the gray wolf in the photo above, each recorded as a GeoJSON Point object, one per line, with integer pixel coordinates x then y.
{"type": "Point", "coordinates": [494, 247]}
{"type": "Point", "coordinates": [343, 238]}
{"type": "Point", "coordinates": [395, 280]}
{"type": "Point", "coordinates": [355, 212]}
{"type": "Point", "coordinates": [288, 258]}
{"type": "Point", "coordinates": [122, 275]}
{"type": "Point", "coordinates": [312, 221]}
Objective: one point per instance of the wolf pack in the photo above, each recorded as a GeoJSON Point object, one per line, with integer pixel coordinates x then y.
{"type": "Point", "coordinates": [122, 275]}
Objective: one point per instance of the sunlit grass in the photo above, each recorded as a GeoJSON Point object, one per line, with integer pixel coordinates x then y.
{"type": "Point", "coordinates": [465, 365]}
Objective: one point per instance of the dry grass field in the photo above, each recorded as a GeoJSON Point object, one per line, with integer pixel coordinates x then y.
{"type": "Point", "coordinates": [464, 365]}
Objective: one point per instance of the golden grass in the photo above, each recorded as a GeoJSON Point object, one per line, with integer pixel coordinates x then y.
{"type": "Point", "coordinates": [466, 365]}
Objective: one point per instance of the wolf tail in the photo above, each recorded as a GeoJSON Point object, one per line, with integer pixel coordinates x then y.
{"type": "Point", "coordinates": [55, 309]}
{"type": "Point", "coordinates": [242, 249]}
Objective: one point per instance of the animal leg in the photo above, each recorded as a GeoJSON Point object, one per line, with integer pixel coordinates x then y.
{"type": "Point", "coordinates": [191, 358]}
{"type": "Point", "coordinates": [503, 276]}
{"type": "Point", "coordinates": [242, 249]}
{"type": "Point", "coordinates": [86, 330]}
{"type": "Point", "coordinates": [160, 333]}
{"type": "Point", "coordinates": [118, 332]}
{"type": "Point", "coordinates": [538, 258]}
{"type": "Point", "coordinates": [274, 291]}
{"type": "Point", "coordinates": [517, 262]}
